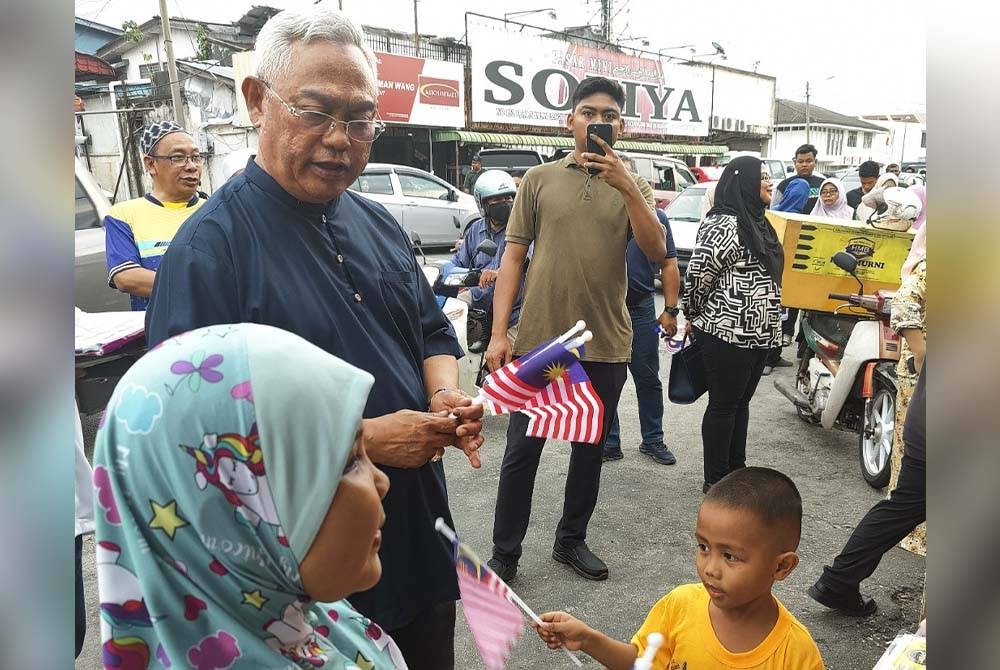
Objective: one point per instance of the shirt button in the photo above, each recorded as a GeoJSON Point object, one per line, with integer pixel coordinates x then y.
{"type": "Point", "coordinates": [340, 258]}
{"type": "Point", "coordinates": [357, 297]}
{"type": "Point", "coordinates": [323, 217]}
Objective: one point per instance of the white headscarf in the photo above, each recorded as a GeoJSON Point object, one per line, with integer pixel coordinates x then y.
{"type": "Point", "coordinates": [839, 209]}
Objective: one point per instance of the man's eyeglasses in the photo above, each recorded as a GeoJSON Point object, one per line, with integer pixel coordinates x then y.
{"type": "Point", "coordinates": [181, 160]}
{"type": "Point", "coordinates": [320, 123]}
{"type": "Point", "coordinates": [765, 177]}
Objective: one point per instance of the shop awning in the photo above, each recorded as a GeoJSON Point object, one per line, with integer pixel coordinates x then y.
{"type": "Point", "coordinates": [515, 139]}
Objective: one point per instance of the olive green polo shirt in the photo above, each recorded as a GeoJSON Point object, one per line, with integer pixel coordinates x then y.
{"type": "Point", "coordinates": [580, 229]}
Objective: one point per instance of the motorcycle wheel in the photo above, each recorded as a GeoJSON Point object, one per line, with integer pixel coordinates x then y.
{"type": "Point", "coordinates": [876, 438]}
{"type": "Point", "coordinates": [803, 388]}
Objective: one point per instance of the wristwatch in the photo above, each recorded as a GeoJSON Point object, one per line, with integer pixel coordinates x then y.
{"type": "Point", "coordinates": [672, 311]}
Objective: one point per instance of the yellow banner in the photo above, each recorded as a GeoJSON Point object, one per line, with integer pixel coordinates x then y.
{"type": "Point", "coordinates": [880, 253]}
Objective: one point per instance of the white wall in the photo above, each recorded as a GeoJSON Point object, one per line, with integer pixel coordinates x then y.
{"type": "Point", "coordinates": [783, 144]}
{"type": "Point", "coordinates": [903, 140]}
{"type": "Point", "coordinates": [744, 96]}
{"type": "Point", "coordinates": [185, 47]}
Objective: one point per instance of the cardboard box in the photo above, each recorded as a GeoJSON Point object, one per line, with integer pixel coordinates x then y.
{"type": "Point", "coordinates": [810, 243]}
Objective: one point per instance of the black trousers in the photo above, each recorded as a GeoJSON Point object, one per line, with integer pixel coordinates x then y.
{"type": "Point", "coordinates": [888, 522]}
{"type": "Point", "coordinates": [732, 374]}
{"type": "Point", "coordinates": [520, 464]}
{"type": "Point", "coordinates": [428, 642]}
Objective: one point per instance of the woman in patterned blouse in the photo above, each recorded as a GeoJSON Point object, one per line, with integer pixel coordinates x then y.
{"type": "Point", "coordinates": [732, 298]}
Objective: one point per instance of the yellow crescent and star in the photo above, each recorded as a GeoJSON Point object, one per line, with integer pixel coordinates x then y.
{"type": "Point", "coordinates": [166, 518]}
{"type": "Point", "coordinates": [555, 371]}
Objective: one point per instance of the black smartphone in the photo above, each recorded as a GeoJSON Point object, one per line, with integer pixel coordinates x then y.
{"type": "Point", "coordinates": [602, 130]}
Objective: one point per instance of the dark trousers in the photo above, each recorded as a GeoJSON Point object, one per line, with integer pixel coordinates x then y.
{"type": "Point", "coordinates": [428, 642]}
{"type": "Point", "coordinates": [520, 464]}
{"type": "Point", "coordinates": [81, 609]}
{"type": "Point", "coordinates": [645, 369]}
{"type": "Point", "coordinates": [732, 374]}
{"type": "Point", "coordinates": [888, 522]}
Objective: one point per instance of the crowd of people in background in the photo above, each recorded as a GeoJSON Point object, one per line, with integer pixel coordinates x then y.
{"type": "Point", "coordinates": [312, 385]}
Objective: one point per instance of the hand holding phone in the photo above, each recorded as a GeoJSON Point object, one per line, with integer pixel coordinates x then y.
{"type": "Point", "coordinates": [602, 130]}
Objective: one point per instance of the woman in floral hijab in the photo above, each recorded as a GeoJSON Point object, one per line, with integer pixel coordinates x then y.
{"type": "Point", "coordinates": [235, 508]}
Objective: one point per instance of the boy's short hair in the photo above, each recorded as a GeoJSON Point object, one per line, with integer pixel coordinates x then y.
{"type": "Point", "coordinates": [768, 494]}
{"type": "Point", "coordinates": [592, 85]}
{"type": "Point", "coordinates": [868, 169]}
{"type": "Point", "coordinates": [806, 149]}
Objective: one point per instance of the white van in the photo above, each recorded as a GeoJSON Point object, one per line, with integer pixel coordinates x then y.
{"type": "Point", "coordinates": [668, 176]}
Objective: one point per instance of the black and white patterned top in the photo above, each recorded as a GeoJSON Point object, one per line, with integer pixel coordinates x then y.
{"type": "Point", "coordinates": [727, 291]}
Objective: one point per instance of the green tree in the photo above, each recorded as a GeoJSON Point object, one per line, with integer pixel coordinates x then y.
{"type": "Point", "coordinates": [204, 46]}
{"type": "Point", "coordinates": [132, 32]}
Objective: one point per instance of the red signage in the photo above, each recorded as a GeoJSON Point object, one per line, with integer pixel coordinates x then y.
{"type": "Point", "coordinates": [420, 91]}
{"type": "Point", "coordinates": [438, 91]}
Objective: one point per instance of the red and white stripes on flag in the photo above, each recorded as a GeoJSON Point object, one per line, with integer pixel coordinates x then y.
{"type": "Point", "coordinates": [563, 410]}
{"type": "Point", "coordinates": [566, 411]}
{"type": "Point", "coordinates": [495, 621]}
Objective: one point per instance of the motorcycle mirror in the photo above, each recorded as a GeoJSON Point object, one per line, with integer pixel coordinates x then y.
{"type": "Point", "coordinates": [849, 264]}
{"type": "Point", "coordinates": [488, 247]}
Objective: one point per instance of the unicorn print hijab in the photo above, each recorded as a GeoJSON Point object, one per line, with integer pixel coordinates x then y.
{"type": "Point", "coordinates": [217, 459]}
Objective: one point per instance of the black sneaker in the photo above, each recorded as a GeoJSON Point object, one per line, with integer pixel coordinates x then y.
{"type": "Point", "coordinates": [852, 604]}
{"type": "Point", "coordinates": [505, 570]}
{"type": "Point", "coordinates": [581, 559]}
{"type": "Point", "coordinates": [659, 453]}
{"type": "Point", "coordinates": [782, 363]}
{"type": "Point", "coordinates": [612, 454]}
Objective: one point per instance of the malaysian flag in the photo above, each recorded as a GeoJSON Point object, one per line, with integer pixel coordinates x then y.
{"type": "Point", "coordinates": [552, 388]}
{"type": "Point", "coordinates": [494, 619]}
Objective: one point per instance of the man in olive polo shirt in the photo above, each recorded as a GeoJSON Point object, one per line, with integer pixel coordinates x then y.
{"type": "Point", "coordinates": [580, 225]}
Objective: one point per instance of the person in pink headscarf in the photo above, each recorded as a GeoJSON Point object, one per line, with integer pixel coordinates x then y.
{"type": "Point", "coordinates": [918, 249]}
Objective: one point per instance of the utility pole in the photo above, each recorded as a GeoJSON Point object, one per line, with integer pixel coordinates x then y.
{"type": "Point", "coordinates": [606, 19]}
{"type": "Point", "coordinates": [416, 32]}
{"type": "Point", "coordinates": [807, 112]}
{"type": "Point", "coordinates": [175, 84]}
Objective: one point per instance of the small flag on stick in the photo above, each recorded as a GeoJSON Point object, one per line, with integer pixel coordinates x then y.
{"type": "Point", "coordinates": [552, 388]}
{"type": "Point", "coordinates": [490, 606]}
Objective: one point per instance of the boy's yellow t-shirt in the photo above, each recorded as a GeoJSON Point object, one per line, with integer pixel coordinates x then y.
{"type": "Point", "coordinates": [689, 641]}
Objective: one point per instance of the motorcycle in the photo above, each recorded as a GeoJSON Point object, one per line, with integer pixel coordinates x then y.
{"type": "Point", "coordinates": [847, 377]}
{"type": "Point", "coordinates": [471, 326]}
{"type": "Point", "coordinates": [479, 321]}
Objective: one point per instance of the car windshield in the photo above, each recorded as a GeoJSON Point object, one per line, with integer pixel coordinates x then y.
{"type": "Point", "coordinates": [687, 205]}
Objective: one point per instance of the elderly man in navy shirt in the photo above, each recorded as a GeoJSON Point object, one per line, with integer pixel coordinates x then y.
{"type": "Point", "coordinates": [286, 244]}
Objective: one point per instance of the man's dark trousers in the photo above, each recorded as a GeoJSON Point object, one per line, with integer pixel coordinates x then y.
{"type": "Point", "coordinates": [888, 522]}
{"type": "Point", "coordinates": [520, 463]}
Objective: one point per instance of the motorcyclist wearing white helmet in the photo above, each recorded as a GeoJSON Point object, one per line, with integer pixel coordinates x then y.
{"type": "Point", "coordinates": [494, 192]}
{"type": "Point", "coordinates": [892, 208]}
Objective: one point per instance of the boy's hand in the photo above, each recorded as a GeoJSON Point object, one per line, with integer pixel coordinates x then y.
{"type": "Point", "coordinates": [562, 630]}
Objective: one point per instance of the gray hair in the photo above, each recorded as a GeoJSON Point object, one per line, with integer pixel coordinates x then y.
{"type": "Point", "coordinates": [317, 22]}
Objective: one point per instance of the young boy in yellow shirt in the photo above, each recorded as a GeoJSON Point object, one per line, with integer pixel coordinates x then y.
{"type": "Point", "coordinates": [747, 532]}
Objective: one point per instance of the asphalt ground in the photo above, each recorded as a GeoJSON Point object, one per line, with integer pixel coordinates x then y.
{"type": "Point", "coordinates": [643, 528]}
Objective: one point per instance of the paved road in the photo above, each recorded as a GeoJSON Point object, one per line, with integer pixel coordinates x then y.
{"type": "Point", "coordinates": [644, 525]}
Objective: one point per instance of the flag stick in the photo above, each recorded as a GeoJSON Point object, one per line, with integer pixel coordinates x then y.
{"type": "Point", "coordinates": [443, 528]}
{"type": "Point", "coordinates": [579, 325]}
{"type": "Point", "coordinates": [653, 643]}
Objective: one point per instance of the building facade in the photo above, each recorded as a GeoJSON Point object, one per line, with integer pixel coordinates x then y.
{"type": "Point", "coordinates": [841, 141]}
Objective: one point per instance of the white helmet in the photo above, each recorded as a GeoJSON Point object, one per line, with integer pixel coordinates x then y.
{"type": "Point", "coordinates": [896, 208]}
{"type": "Point", "coordinates": [492, 183]}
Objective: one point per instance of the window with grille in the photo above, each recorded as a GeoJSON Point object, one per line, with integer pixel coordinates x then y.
{"type": "Point", "coordinates": [146, 71]}
{"type": "Point", "coordinates": [868, 140]}
{"type": "Point", "coordinates": [852, 138]}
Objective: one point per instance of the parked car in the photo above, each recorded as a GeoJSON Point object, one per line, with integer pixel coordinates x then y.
{"type": "Point", "coordinates": [421, 202]}
{"type": "Point", "coordinates": [91, 292]}
{"type": "Point", "coordinates": [509, 160]}
{"type": "Point", "coordinates": [685, 213]}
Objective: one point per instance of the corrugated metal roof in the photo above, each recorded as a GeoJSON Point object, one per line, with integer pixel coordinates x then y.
{"type": "Point", "coordinates": [511, 139]}
{"type": "Point", "coordinates": [792, 112]}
